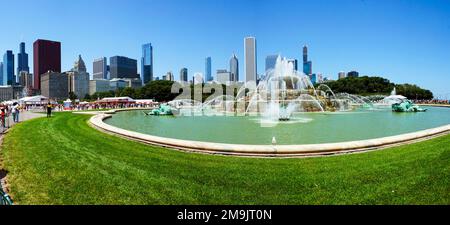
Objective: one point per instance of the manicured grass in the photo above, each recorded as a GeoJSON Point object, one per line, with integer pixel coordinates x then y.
{"type": "Point", "coordinates": [64, 161]}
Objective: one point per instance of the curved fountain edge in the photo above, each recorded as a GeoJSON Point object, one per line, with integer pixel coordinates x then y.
{"type": "Point", "coordinates": [97, 121]}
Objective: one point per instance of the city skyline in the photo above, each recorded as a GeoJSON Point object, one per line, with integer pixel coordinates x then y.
{"type": "Point", "coordinates": [386, 40]}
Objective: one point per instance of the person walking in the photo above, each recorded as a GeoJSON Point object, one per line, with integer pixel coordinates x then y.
{"type": "Point", "coordinates": [49, 110]}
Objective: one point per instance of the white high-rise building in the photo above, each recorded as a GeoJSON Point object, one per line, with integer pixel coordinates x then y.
{"type": "Point", "coordinates": [169, 76]}
{"type": "Point", "coordinates": [234, 68]}
{"type": "Point", "coordinates": [250, 59]}
{"type": "Point", "coordinates": [198, 78]}
{"type": "Point", "coordinates": [341, 75]}
{"type": "Point", "coordinates": [79, 79]}
{"type": "Point", "coordinates": [223, 77]}
{"type": "Point", "coordinates": [319, 78]}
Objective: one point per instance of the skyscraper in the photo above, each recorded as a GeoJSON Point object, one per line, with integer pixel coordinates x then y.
{"type": "Point", "coordinates": [234, 68]}
{"type": "Point", "coordinates": [184, 75]}
{"type": "Point", "coordinates": [8, 68]}
{"type": "Point", "coordinates": [353, 74]}
{"type": "Point", "coordinates": [100, 69]}
{"type": "Point", "coordinates": [208, 73]}
{"type": "Point", "coordinates": [223, 76]}
{"type": "Point", "coordinates": [271, 60]}
{"type": "Point", "coordinates": [25, 80]}
{"type": "Point", "coordinates": [1, 73]}
{"type": "Point", "coordinates": [55, 85]}
{"type": "Point", "coordinates": [341, 75]}
{"type": "Point", "coordinates": [168, 76]}
{"type": "Point", "coordinates": [307, 68]}
{"type": "Point", "coordinates": [198, 78]}
{"type": "Point", "coordinates": [307, 65]}
{"type": "Point", "coordinates": [22, 60]}
{"type": "Point", "coordinates": [313, 78]}
{"type": "Point", "coordinates": [79, 65]}
{"type": "Point", "coordinates": [147, 63]}
{"type": "Point", "coordinates": [294, 63]}
{"type": "Point", "coordinates": [319, 78]}
{"type": "Point", "coordinates": [123, 67]}
{"type": "Point", "coordinates": [47, 57]}
{"type": "Point", "coordinates": [78, 79]}
{"type": "Point", "coordinates": [250, 59]}
{"type": "Point", "coordinates": [305, 54]}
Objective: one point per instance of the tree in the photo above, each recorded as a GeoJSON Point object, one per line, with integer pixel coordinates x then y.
{"type": "Point", "coordinates": [72, 96]}
{"type": "Point", "coordinates": [377, 85]}
{"type": "Point", "coordinates": [160, 90]}
{"type": "Point", "coordinates": [87, 97]}
{"type": "Point", "coordinates": [94, 96]}
{"type": "Point", "coordinates": [128, 92]}
{"type": "Point", "coordinates": [362, 85]}
{"type": "Point", "coordinates": [412, 91]}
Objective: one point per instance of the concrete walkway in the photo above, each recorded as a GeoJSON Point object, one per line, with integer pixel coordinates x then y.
{"type": "Point", "coordinates": [23, 116]}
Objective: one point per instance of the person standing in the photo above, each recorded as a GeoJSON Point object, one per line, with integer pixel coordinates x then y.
{"type": "Point", "coordinates": [49, 110]}
{"type": "Point", "coordinates": [2, 116]}
{"type": "Point", "coordinates": [14, 112]}
{"type": "Point", "coordinates": [19, 108]}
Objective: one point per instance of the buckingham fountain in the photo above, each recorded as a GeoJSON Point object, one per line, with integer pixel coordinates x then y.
{"type": "Point", "coordinates": [281, 93]}
{"type": "Point", "coordinates": [283, 109]}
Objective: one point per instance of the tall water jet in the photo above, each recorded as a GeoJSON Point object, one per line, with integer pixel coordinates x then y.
{"type": "Point", "coordinates": [281, 88]}
{"type": "Point", "coordinates": [282, 92]}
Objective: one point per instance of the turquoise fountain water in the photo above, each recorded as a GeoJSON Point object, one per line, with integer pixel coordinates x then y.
{"type": "Point", "coordinates": [303, 128]}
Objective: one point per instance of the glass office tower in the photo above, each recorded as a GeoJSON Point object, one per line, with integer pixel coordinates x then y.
{"type": "Point", "coordinates": [184, 75]}
{"type": "Point", "coordinates": [1, 73]}
{"type": "Point", "coordinates": [100, 69]}
{"type": "Point", "coordinates": [147, 63]}
{"type": "Point", "coordinates": [271, 60]}
{"type": "Point", "coordinates": [208, 73]}
{"type": "Point", "coordinates": [122, 67]}
{"type": "Point", "coordinates": [8, 68]}
{"type": "Point", "coordinates": [22, 60]}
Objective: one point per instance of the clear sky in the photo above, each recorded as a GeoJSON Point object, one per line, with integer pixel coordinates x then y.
{"type": "Point", "coordinates": [404, 41]}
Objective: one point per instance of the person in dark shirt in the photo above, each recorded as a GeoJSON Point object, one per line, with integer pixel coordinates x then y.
{"type": "Point", "coordinates": [49, 110]}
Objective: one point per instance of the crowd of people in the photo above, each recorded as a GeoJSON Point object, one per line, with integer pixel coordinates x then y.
{"type": "Point", "coordinates": [13, 110]}
{"type": "Point", "coordinates": [433, 101]}
{"type": "Point", "coordinates": [101, 106]}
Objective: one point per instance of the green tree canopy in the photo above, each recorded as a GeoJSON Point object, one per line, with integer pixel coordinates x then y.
{"type": "Point", "coordinates": [412, 91]}
{"type": "Point", "coordinates": [377, 85]}
{"type": "Point", "coordinates": [161, 90]}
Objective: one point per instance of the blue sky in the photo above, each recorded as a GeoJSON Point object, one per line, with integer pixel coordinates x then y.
{"type": "Point", "coordinates": [404, 41]}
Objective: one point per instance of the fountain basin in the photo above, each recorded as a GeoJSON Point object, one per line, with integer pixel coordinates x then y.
{"type": "Point", "coordinates": [206, 142]}
{"type": "Point", "coordinates": [303, 128]}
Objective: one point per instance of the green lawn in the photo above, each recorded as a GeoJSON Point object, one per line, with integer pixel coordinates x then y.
{"type": "Point", "coordinates": [64, 161]}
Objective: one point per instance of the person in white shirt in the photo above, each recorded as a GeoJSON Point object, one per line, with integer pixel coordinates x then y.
{"type": "Point", "coordinates": [15, 112]}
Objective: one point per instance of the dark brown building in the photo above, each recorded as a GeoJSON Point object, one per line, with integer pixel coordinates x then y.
{"type": "Point", "coordinates": [47, 57]}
